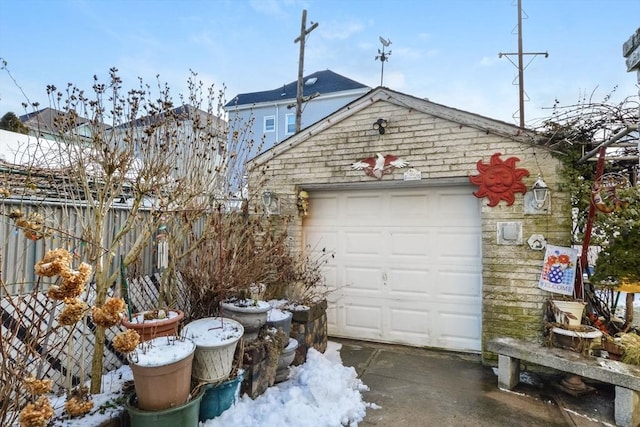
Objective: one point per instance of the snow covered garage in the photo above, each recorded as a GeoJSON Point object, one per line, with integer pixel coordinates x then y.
{"type": "Point", "coordinates": [419, 259]}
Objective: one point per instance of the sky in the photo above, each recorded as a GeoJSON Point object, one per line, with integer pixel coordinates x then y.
{"type": "Point", "coordinates": [319, 393]}
{"type": "Point", "coordinates": [442, 50]}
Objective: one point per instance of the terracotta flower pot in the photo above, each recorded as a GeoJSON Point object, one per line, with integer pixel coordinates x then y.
{"type": "Point", "coordinates": [162, 372]}
{"type": "Point", "coordinates": [614, 350]}
{"type": "Point", "coordinates": [149, 329]}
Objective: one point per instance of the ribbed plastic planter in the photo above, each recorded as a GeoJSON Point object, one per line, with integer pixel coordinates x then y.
{"type": "Point", "coordinates": [216, 339]}
{"type": "Point", "coordinates": [220, 397]}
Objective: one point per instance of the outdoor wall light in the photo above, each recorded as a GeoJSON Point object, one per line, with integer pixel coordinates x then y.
{"type": "Point", "coordinates": [380, 126]}
{"type": "Point", "coordinates": [540, 192]}
{"type": "Point", "coordinates": [270, 202]}
{"type": "Point", "coordinates": [537, 199]}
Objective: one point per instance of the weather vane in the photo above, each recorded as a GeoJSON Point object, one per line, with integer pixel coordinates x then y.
{"type": "Point", "coordinates": [383, 56]}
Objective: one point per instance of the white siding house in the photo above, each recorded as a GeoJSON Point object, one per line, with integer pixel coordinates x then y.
{"type": "Point", "coordinates": [271, 114]}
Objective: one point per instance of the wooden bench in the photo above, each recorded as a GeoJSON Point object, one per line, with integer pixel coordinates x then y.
{"type": "Point", "coordinates": [625, 377]}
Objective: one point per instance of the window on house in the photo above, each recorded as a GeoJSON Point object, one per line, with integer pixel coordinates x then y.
{"type": "Point", "coordinates": [270, 124]}
{"type": "Point", "coordinates": [291, 123]}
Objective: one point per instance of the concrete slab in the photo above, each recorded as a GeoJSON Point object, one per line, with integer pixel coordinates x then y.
{"type": "Point", "coordinates": [422, 387]}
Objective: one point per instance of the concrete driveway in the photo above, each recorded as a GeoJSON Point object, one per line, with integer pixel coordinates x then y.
{"type": "Point", "coordinates": [419, 387]}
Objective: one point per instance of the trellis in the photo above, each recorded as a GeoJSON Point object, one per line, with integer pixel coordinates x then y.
{"type": "Point", "coordinates": [65, 351]}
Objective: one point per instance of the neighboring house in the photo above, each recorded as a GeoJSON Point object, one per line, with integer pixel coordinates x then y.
{"type": "Point", "coordinates": [186, 130]}
{"type": "Point", "coordinates": [45, 123]}
{"type": "Point", "coordinates": [419, 260]}
{"type": "Point", "coordinates": [271, 114]}
{"type": "Point", "coordinates": [33, 172]}
{"type": "Point", "coordinates": [48, 124]}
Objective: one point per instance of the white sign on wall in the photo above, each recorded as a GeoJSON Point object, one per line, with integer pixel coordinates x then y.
{"type": "Point", "coordinates": [412, 175]}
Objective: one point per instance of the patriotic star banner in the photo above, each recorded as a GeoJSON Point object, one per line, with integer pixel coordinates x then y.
{"type": "Point", "coordinates": [559, 270]}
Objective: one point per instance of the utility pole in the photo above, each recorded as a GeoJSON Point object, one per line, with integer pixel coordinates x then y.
{"type": "Point", "coordinates": [301, 38]}
{"type": "Point", "coordinates": [521, 67]}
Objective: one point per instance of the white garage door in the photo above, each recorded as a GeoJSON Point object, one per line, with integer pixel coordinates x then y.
{"type": "Point", "coordinates": [407, 266]}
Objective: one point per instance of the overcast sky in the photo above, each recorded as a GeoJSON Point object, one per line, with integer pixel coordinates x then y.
{"type": "Point", "coordinates": [443, 50]}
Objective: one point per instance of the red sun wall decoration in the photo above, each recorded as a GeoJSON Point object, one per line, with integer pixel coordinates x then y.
{"type": "Point", "coordinates": [499, 180]}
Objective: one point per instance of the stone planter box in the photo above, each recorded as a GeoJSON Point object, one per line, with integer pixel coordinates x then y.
{"type": "Point", "coordinates": [258, 375]}
{"type": "Point", "coordinates": [309, 328]}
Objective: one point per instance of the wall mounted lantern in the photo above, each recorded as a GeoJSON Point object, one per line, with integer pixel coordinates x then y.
{"type": "Point", "coordinates": [380, 126]}
{"type": "Point", "coordinates": [270, 202]}
{"type": "Point", "coordinates": [536, 201]}
{"type": "Point", "coordinates": [540, 191]}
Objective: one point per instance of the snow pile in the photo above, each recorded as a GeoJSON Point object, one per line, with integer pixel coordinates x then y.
{"type": "Point", "coordinates": [320, 393]}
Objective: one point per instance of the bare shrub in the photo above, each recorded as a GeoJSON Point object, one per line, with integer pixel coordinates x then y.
{"type": "Point", "coordinates": [244, 250]}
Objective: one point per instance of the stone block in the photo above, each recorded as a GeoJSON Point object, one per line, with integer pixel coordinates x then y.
{"type": "Point", "coordinates": [258, 374]}
{"type": "Point", "coordinates": [627, 407]}
{"type": "Point", "coordinates": [309, 328]}
{"type": "Point", "coordinates": [508, 372]}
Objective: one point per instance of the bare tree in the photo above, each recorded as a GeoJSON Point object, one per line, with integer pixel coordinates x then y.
{"type": "Point", "coordinates": [142, 151]}
{"type": "Point", "coordinates": [576, 133]}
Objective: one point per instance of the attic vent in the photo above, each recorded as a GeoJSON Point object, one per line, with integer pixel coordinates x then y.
{"type": "Point", "coordinates": [311, 81]}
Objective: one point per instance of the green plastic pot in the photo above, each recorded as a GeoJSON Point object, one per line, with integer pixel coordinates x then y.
{"type": "Point", "coordinates": [185, 415]}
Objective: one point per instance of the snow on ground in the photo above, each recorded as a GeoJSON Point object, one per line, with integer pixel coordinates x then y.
{"type": "Point", "coordinates": [320, 393]}
{"type": "Point", "coordinates": [106, 405]}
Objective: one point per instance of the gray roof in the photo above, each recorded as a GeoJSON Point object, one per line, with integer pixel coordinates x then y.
{"type": "Point", "coordinates": [182, 112]}
{"type": "Point", "coordinates": [46, 120]}
{"type": "Point", "coordinates": [327, 82]}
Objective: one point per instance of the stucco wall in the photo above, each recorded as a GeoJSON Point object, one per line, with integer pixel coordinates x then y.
{"type": "Point", "coordinates": [440, 149]}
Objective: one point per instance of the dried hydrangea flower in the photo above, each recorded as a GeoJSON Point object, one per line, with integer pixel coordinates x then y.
{"type": "Point", "coordinates": [72, 312]}
{"type": "Point", "coordinates": [37, 414]}
{"type": "Point", "coordinates": [76, 277]}
{"type": "Point", "coordinates": [73, 281]}
{"type": "Point", "coordinates": [53, 262]}
{"type": "Point", "coordinates": [127, 341]}
{"type": "Point", "coordinates": [110, 313]}
{"type": "Point", "coordinates": [77, 406]}
{"type": "Point", "coordinates": [37, 387]}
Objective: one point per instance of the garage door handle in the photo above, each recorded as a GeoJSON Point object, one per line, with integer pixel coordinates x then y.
{"type": "Point", "coordinates": [384, 277]}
